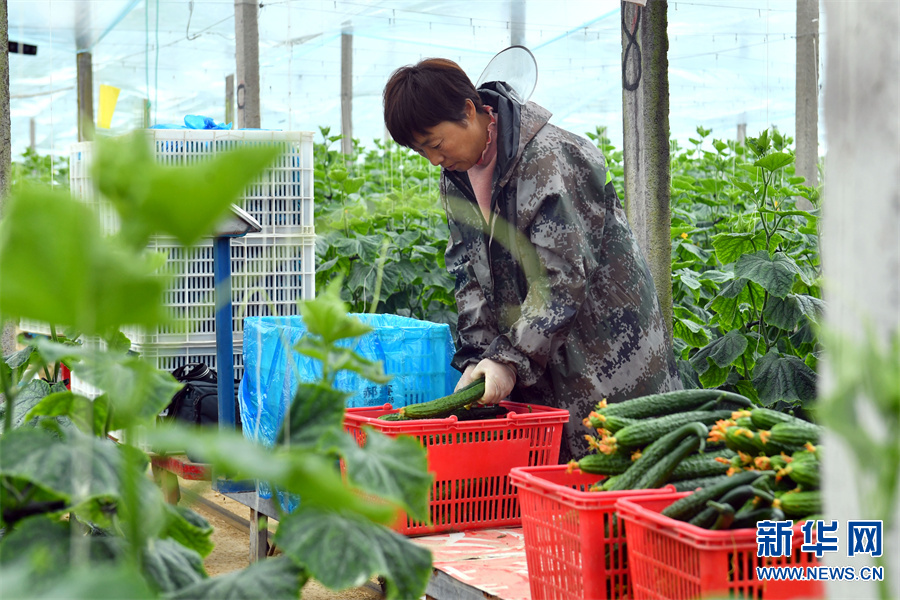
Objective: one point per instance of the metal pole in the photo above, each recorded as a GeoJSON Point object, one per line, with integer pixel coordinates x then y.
{"type": "Point", "coordinates": [645, 115]}
{"type": "Point", "coordinates": [7, 330]}
{"type": "Point", "coordinates": [347, 89]}
{"type": "Point", "coordinates": [229, 99]}
{"type": "Point", "coordinates": [246, 29]}
{"type": "Point", "coordinates": [224, 335]}
{"type": "Point", "coordinates": [516, 22]}
{"type": "Point", "coordinates": [807, 95]}
{"type": "Point", "coordinates": [85, 96]}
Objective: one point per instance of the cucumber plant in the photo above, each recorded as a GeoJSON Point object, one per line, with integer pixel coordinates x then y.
{"type": "Point", "coordinates": [80, 518]}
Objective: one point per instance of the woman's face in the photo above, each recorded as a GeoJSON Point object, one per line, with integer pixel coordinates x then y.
{"type": "Point", "coordinates": [455, 146]}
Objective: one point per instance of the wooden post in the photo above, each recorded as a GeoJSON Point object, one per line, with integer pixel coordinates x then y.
{"type": "Point", "coordinates": [229, 99]}
{"type": "Point", "coordinates": [645, 115]}
{"type": "Point", "coordinates": [259, 535]}
{"type": "Point", "coordinates": [85, 88]}
{"type": "Point", "coordinates": [807, 95]}
{"type": "Point", "coordinates": [347, 89]}
{"type": "Point", "coordinates": [246, 30]}
{"type": "Point", "coordinates": [860, 255]}
{"type": "Point", "coordinates": [516, 22]}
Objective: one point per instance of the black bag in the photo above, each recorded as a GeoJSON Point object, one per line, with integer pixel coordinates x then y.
{"type": "Point", "coordinates": [198, 401]}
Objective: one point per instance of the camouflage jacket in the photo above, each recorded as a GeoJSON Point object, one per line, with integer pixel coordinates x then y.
{"type": "Point", "coordinates": [555, 285]}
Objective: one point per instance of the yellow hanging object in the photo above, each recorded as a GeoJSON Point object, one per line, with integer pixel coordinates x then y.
{"type": "Point", "coordinates": [109, 95]}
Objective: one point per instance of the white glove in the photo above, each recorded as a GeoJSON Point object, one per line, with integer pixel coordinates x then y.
{"type": "Point", "coordinates": [466, 378]}
{"type": "Point", "coordinates": [499, 380]}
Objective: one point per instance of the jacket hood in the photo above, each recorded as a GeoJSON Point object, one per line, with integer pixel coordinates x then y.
{"type": "Point", "coordinates": [518, 124]}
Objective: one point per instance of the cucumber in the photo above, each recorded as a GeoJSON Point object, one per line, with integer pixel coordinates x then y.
{"type": "Point", "coordinates": [605, 464]}
{"type": "Point", "coordinates": [725, 515]}
{"type": "Point", "coordinates": [687, 508]}
{"type": "Point", "coordinates": [645, 431]}
{"type": "Point", "coordinates": [734, 498]}
{"type": "Point", "coordinates": [804, 473]}
{"type": "Point", "coordinates": [655, 405]}
{"type": "Point", "coordinates": [741, 439]}
{"type": "Point", "coordinates": [475, 413]}
{"type": "Point", "coordinates": [746, 519]}
{"type": "Point", "coordinates": [793, 434]}
{"type": "Point", "coordinates": [392, 417]}
{"type": "Point", "coordinates": [610, 423]}
{"type": "Point", "coordinates": [659, 473]}
{"type": "Point", "coordinates": [766, 418]}
{"type": "Point", "coordinates": [702, 465]}
{"type": "Point", "coordinates": [801, 504]}
{"type": "Point", "coordinates": [442, 407]}
{"type": "Point", "coordinates": [656, 452]}
{"type": "Point", "coordinates": [689, 485]}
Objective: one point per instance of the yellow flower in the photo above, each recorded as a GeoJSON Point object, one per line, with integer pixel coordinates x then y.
{"type": "Point", "coordinates": [684, 236]}
{"type": "Point", "coordinates": [776, 203]}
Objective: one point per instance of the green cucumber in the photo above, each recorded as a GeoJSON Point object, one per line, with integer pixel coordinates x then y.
{"type": "Point", "coordinates": [804, 473]}
{"type": "Point", "coordinates": [746, 519]}
{"type": "Point", "coordinates": [610, 423]}
{"type": "Point", "coordinates": [655, 405]}
{"type": "Point", "coordinates": [605, 464]}
{"type": "Point", "coordinates": [792, 434]}
{"type": "Point", "coordinates": [687, 508]}
{"type": "Point", "coordinates": [766, 418]}
{"type": "Point", "coordinates": [656, 452]}
{"type": "Point", "coordinates": [659, 473]}
{"type": "Point", "coordinates": [725, 515]}
{"type": "Point", "coordinates": [801, 504]}
{"type": "Point", "coordinates": [392, 417]}
{"type": "Point", "coordinates": [645, 431]}
{"type": "Point", "coordinates": [442, 407]}
{"type": "Point", "coordinates": [702, 465]}
{"type": "Point", "coordinates": [690, 485]}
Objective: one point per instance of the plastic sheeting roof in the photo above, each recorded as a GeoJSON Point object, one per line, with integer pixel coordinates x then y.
{"type": "Point", "coordinates": [730, 61]}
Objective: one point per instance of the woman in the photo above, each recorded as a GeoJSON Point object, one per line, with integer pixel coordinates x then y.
{"type": "Point", "coordinates": [556, 303]}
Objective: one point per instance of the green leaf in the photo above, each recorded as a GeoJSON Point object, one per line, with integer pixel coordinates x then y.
{"type": "Point", "coordinates": [99, 582]}
{"type": "Point", "coordinates": [714, 376]}
{"type": "Point", "coordinates": [88, 467]}
{"type": "Point", "coordinates": [784, 378]}
{"type": "Point", "coordinates": [731, 246]}
{"type": "Point", "coordinates": [338, 175]}
{"type": "Point", "coordinates": [315, 412]}
{"type": "Point", "coordinates": [89, 418]}
{"type": "Point", "coordinates": [745, 388]}
{"type": "Point", "coordinates": [352, 185]}
{"type": "Point", "coordinates": [337, 549]}
{"type": "Point", "coordinates": [688, 278]}
{"type": "Point", "coordinates": [774, 161]}
{"type": "Point", "coordinates": [188, 529]}
{"type": "Point", "coordinates": [314, 476]}
{"type": "Point", "coordinates": [169, 566]}
{"type": "Point", "coordinates": [722, 351]}
{"type": "Point", "coordinates": [276, 577]}
{"type": "Point", "coordinates": [743, 185]}
{"type": "Point", "coordinates": [106, 285]}
{"type": "Point", "coordinates": [694, 334]}
{"type": "Point", "coordinates": [186, 202]}
{"type": "Point", "coordinates": [774, 273]}
{"type": "Point", "coordinates": [28, 397]}
{"type": "Point", "coordinates": [327, 317]}
{"type": "Point", "coordinates": [392, 468]}
{"type": "Point", "coordinates": [786, 313]}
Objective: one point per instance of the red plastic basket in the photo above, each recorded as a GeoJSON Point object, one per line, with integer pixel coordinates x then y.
{"type": "Point", "coordinates": [574, 543]}
{"type": "Point", "coordinates": [674, 560]}
{"type": "Point", "coordinates": [471, 461]}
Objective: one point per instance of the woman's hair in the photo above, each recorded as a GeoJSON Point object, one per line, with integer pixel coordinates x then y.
{"type": "Point", "coordinates": [418, 97]}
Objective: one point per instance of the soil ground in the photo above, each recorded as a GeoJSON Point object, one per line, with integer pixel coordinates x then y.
{"type": "Point", "coordinates": [232, 545]}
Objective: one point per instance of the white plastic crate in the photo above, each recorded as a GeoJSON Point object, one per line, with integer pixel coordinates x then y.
{"type": "Point", "coordinates": [269, 275]}
{"type": "Point", "coordinates": [281, 198]}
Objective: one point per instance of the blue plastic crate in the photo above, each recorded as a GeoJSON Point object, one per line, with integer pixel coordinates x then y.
{"type": "Point", "coordinates": [417, 354]}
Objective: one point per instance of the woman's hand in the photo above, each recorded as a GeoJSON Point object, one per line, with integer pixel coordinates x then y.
{"type": "Point", "coordinates": [466, 378]}
{"type": "Point", "coordinates": [499, 380]}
